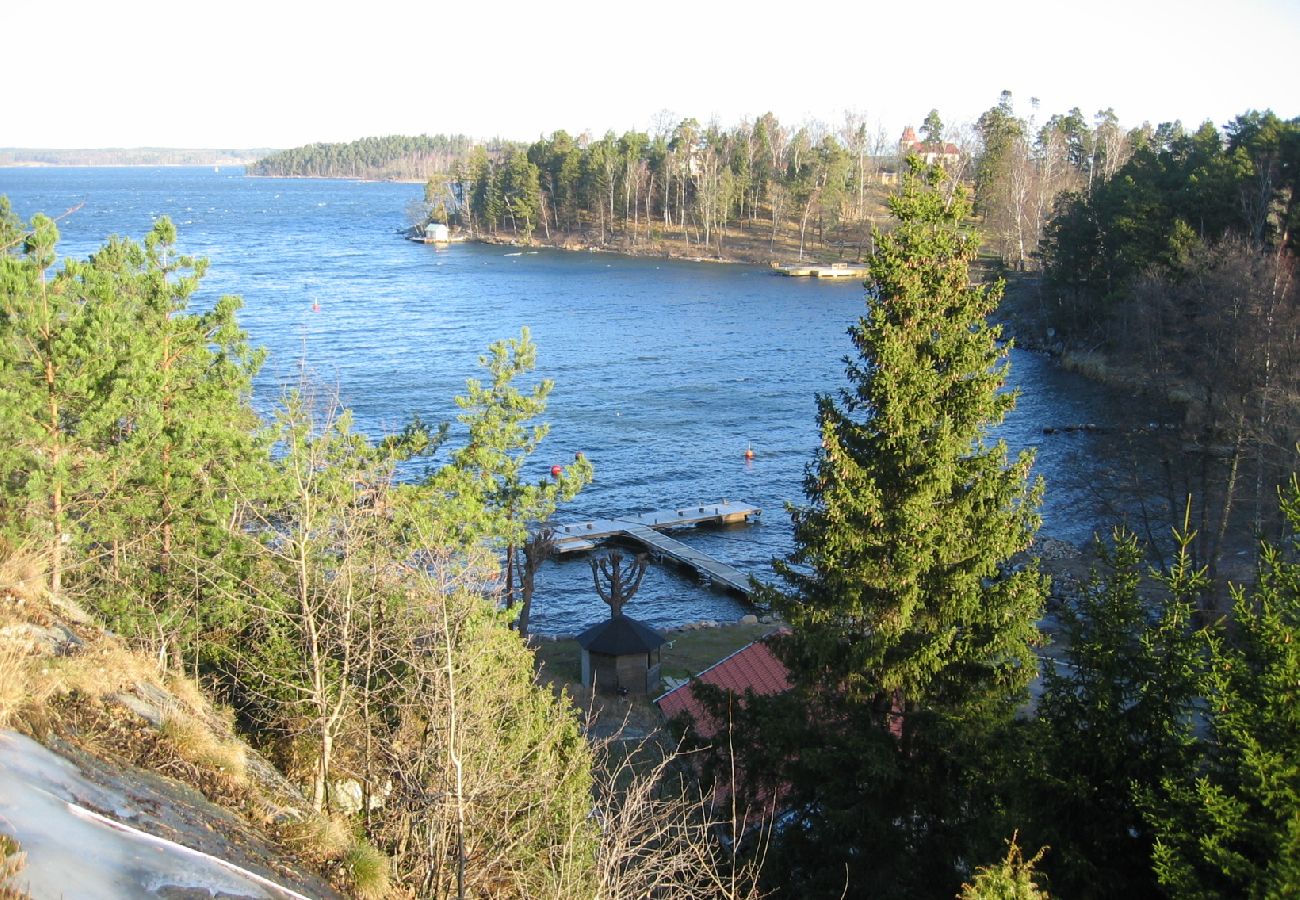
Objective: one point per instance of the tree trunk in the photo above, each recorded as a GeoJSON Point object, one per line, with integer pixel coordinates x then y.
{"type": "Point", "coordinates": [1215, 550]}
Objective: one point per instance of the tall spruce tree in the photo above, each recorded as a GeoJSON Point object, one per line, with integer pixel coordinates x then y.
{"type": "Point", "coordinates": [913, 639]}
{"type": "Point", "coordinates": [900, 578]}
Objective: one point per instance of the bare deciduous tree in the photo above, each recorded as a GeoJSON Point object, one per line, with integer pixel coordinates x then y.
{"type": "Point", "coordinates": [622, 586]}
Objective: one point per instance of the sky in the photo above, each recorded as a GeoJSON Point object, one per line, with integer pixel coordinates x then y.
{"type": "Point", "coordinates": [282, 73]}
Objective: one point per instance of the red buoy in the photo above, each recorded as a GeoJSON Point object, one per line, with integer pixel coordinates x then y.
{"type": "Point", "coordinates": [749, 453]}
{"type": "Point", "coordinates": [315, 307]}
{"type": "Point", "coordinates": [556, 471]}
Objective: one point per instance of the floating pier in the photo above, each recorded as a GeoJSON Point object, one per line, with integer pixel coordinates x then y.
{"type": "Point", "coordinates": [645, 529]}
{"type": "Point", "coordinates": [834, 270]}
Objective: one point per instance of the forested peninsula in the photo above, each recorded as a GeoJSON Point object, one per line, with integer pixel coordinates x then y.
{"type": "Point", "coordinates": [341, 658]}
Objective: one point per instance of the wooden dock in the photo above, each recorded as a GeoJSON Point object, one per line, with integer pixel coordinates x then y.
{"type": "Point", "coordinates": [645, 529]}
{"type": "Point", "coordinates": [834, 270]}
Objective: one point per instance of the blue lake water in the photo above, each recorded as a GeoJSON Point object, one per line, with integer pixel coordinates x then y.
{"type": "Point", "coordinates": [665, 372]}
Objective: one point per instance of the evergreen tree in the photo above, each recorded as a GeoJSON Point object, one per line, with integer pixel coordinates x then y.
{"type": "Point", "coordinates": [900, 575]}
{"type": "Point", "coordinates": [1001, 133]}
{"type": "Point", "coordinates": [191, 455]}
{"type": "Point", "coordinates": [483, 494]}
{"type": "Point", "coordinates": [932, 130]}
{"type": "Point", "coordinates": [11, 227]}
{"type": "Point", "coordinates": [1011, 879]}
{"type": "Point", "coordinates": [521, 194]}
{"type": "Point", "coordinates": [1232, 827]}
{"type": "Point", "coordinates": [913, 641]}
{"type": "Point", "coordinates": [62, 374]}
{"type": "Point", "coordinates": [133, 433]}
{"type": "Point", "coordinates": [1116, 721]}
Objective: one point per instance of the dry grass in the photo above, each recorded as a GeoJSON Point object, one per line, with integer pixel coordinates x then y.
{"type": "Point", "coordinates": [319, 838]}
{"type": "Point", "coordinates": [15, 682]}
{"type": "Point", "coordinates": [189, 693]}
{"type": "Point", "coordinates": [22, 576]}
{"type": "Point", "coordinates": [62, 676]}
{"type": "Point", "coordinates": [368, 871]}
{"type": "Point", "coordinates": [48, 671]}
{"type": "Point", "coordinates": [103, 667]}
{"type": "Point", "coordinates": [1103, 369]}
{"type": "Point", "coordinates": [200, 746]}
{"type": "Point", "coordinates": [12, 861]}
{"type": "Point", "coordinates": [22, 595]}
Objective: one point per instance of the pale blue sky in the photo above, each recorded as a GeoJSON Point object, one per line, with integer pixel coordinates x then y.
{"type": "Point", "coordinates": [88, 73]}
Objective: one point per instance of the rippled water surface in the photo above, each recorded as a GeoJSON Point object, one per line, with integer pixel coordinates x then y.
{"type": "Point", "coordinates": [665, 372]}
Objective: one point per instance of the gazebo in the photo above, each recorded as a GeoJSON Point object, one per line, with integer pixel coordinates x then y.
{"type": "Point", "coordinates": [621, 655]}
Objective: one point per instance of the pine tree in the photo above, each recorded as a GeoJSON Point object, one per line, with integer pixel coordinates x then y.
{"type": "Point", "coordinates": [11, 227]}
{"type": "Point", "coordinates": [932, 130]}
{"type": "Point", "coordinates": [483, 494]}
{"type": "Point", "coordinates": [190, 453]}
{"type": "Point", "coordinates": [61, 390]}
{"type": "Point", "coordinates": [522, 198]}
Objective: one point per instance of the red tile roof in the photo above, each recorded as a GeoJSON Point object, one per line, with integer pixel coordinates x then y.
{"type": "Point", "coordinates": [753, 667]}
{"type": "Point", "coordinates": [921, 148]}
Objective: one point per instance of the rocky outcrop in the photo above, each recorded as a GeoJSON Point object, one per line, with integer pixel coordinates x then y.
{"type": "Point", "coordinates": [102, 796]}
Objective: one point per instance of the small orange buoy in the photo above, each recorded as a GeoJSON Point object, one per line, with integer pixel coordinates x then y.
{"type": "Point", "coordinates": [749, 453]}
{"type": "Point", "coordinates": [315, 307]}
{"type": "Point", "coordinates": [556, 471]}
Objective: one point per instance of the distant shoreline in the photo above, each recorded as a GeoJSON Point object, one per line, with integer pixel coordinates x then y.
{"type": "Point", "coordinates": [140, 165]}
{"type": "Point", "coordinates": [662, 249]}
{"type": "Point", "coordinates": [125, 157]}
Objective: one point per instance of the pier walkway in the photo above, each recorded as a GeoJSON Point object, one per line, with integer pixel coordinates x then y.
{"type": "Point", "coordinates": [834, 270]}
{"type": "Point", "coordinates": [645, 529]}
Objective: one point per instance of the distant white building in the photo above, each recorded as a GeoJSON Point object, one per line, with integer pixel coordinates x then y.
{"type": "Point", "coordinates": [436, 231]}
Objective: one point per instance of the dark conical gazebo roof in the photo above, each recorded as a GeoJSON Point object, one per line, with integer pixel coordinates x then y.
{"type": "Point", "coordinates": [620, 636]}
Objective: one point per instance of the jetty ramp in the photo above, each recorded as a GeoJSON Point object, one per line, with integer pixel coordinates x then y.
{"type": "Point", "coordinates": [646, 529]}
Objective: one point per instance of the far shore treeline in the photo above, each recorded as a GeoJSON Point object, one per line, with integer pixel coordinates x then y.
{"type": "Point", "coordinates": [765, 185]}
{"type": "Point", "coordinates": [132, 156]}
